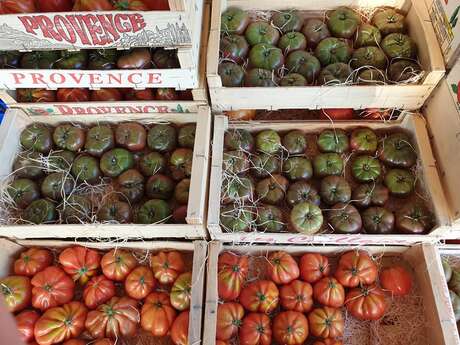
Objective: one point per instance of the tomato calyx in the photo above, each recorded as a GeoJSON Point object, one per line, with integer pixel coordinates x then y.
{"type": "Point", "coordinates": [260, 329]}
{"type": "Point", "coordinates": [47, 287]}
{"type": "Point", "coordinates": [261, 297]}
{"type": "Point", "coordinates": [6, 290]}
{"type": "Point", "coordinates": [235, 268]}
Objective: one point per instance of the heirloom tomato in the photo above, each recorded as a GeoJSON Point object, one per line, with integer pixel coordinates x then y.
{"type": "Point", "coordinates": [367, 35]}
{"type": "Point", "coordinates": [115, 211]}
{"type": "Point", "coordinates": [366, 168]}
{"type": "Point", "coordinates": [116, 318]}
{"type": "Point", "coordinates": [103, 95]}
{"type": "Point", "coordinates": [326, 164]}
{"type": "Point", "coordinates": [397, 151]}
{"type": "Point", "coordinates": [98, 290]}
{"type": "Point", "coordinates": [261, 32]}
{"type": "Point", "coordinates": [136, 58]}
{"type": "Point", "coordinates": [345, 219]}
{"type": "Point", "coordinates": [315, 30]}
{"type": "Point", "coordinates": [378, 220]}
{"type": "Point", "coordinates": [179, 329]}
{"type": "Point", "coordinates": [55, 5]}
{"type": "Point", "coordinates": [140, 95]}
{"type": "Point", "coordinates": [398, 45]}
{"type": "Point", "coordinates": [99, 139]}
{"type": "Point", "coordinates": [157, 314]}
{"type": "Point", "coordinates": [343, 22]}
{"type": "Point", "coordinates": [231, 74]}
{"type": "Point", "coordinates": [40, 211]}
{"type": "Point", "coordinates": [167, 266]}
{"type": "Point", "coordinates": [32, 261]}
{"type": "Point", "coordinates": [86, 169]}
{"type": "Point", "coordinates": [290, 328]}
{"type": "Point", "coordinates": [302, 191]}
{"type": "Point", "coordinates": [60, 323]}
{"type": "Point", "coordinates": [328, 341]}
{"type": "Point", "coordinates": [234, 21]}
{"type": "Point", "coordinates": [297, 168]}
{"type": "Point", "coordinates": [333, 50]}
{"type": "Point", "coordinates": [282, 268]}
{"type": "Point", "coordinates": [296, 296]}
{"type": "Point", "coordinates": [292, 41]}
{"type": "Point", "coordinates": [181, 292]}
{"type": "Point", "coordinates": [334, 74]}
{"type": "Point", "coordinates": [366, 303]}
{"type": "Point", "coordinates": [130, 5]}
{"type": "Point", "coordinates": [369, 57]}
{"type": "Point", "coordinates": [270, 219]}
{"type": "Point", "coordinates": [117, 264]}
{"type": "Point", "coordinates": [71, 60]}
{"type": "Point", "coordinates": [166, 94]}
{"type": "Point", "coordinates": [140, 282]}
{"type": "Point", "coordinates": [10, 59]}
{"type": "Point", "coordinates": [51, 287]}
{"type": "Point", "coordinates": [107, 341]}
{"type": "Point", "coordinates": [17, 6]}
{"type": "Point", "coordinates": [356, 268]}
{"type": "Point", "coordinates": [413, 218]}
{"type": "Point", "coordinates": [329, 292]}
{"type": "Point", "coordinates": [157, 5]}
{"type": "Point", "coordinates": [25, 322]}
{"type": "Point", "coordinates": [336, 114]}
{"type": "Point", "coordinates": [364, 140]}
{"type": "Point", "coordinates": [36, 137]}
{"type": "Point", "coordinates": [388, 21]}
{"type": "Point", "coordinates": [80, 262]}
{"type": "Point", "coordinates": [92, 5]}
{"type": "Point", "coordinates": [131, 135]}
{"type": "Point", "coordinates": [397, 280]}
{"type": "Point", "coordinates": [287, 21]}
{"type": "Point", "coordinates": [306, 218]}
{"type": "Point", "coordinates": [23, 192]}
{"type": "Point", "coordinates": [36, 95]}
{"type": "Point", "coordinates": [313, 267]}
{"type": "Point", "coordinates": [69, 137]}
{"type": "Point", "coordinates": [16, 291]}
{"type": "Point", "coordinates": [72, 95]}
{"type": "Point", "coordinates": [266, 56]}
{"type": "Point", "coordinates": [234, 47]}
{"type": "Point", "coordinates": [255, 330]}
{"type": "Point", "coordinates": [326, 322]}
{"type": "Point", "coordinates": [74, 342]}
{"type": "Point", "coordinates": [229, 320]}
{"type": "Point", "coordinates": [333, 141]}
{"type": "Point", "coordinates": [335, 189]}
{"type": "Point", "coordinates": [232, 273]}
{"type": "Point", "coordinates": [260, 296]}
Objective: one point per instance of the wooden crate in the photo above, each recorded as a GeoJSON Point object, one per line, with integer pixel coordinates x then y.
{"type": "Point", "coordinates": [414, 124]}
{"type": "Point", "coordinates": [420, 257]}
{"type": "Point", "coordinates": [16, 120]}
{"type": "Point", "coordinates": [408, 97]}
{"type": "Point", "coordinates": [9, 251]}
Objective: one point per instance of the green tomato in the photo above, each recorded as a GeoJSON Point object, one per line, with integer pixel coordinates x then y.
{"type": "Point", "coordinates": [23, 192]}
{"type": "Point", "coordinates": [305, 64]}
{"type": "Point", "coordinates": [40, 59]}
{"type": "Point", "coordinates": [293, 79]}
{"type": "Point", "coordinates": [295, 142]}
{"type": "Point", "coordinates": [399, 46]}
{"type": "Point", "coordinates": [264, 165]}
{"type": "Point", "coordinates": [130, 185]}
{"type": "Point", "coordinates": [115, 162]}
{"type": "Point", "coordinates": [231, 74]}
{"type": "Point", "coordinates": [266, 56]}
{"type": "Point", "coordinates": [326, 164]}
{"type": "Point", "coordinates": [86, 169]}
{"type": "Point", "coordinates": [99, 139]}
{"type": "Point", "coordinates": [343, 22]}
{"type": "Point", "coordinates": [77, 210]}
{"type": "Point", "coordinates": [239, 139]}
{"type": "Point", "coordinates": [366, 195]}
{"type": "Point", "coordinates": [371, 76]}
{"type": "Point", "coordinates": [57, 186]}
{"type": "Point", "coordinates": [102, 59]}
{"type": "Point", "coordinates": [72, 60]}
{"type": "Point", "coordinates": [69, 137]}
{"type": "Point", "coordinates": [180, 163]}
{"type": "Point", "coordinates": [306, 218]}
{"type": "Point", "coordinates": [337, 73]}
{"type": "Point", "coordinates": [298, 168]}
{"type": "Point", "coordinates": [368, 35]}
{"type": "Point", "coordinates": [396, 150]}
{"type": "Point", "coordinates": [268, 141]}
{"type": "Point", "coordinates": [154, 211]}
{"type": "Point", "coordinates": [182, 191]}
{"type": "Point", "coordinates": [335, 189]}
{"type": "Point", "coordinates": [115, 211]}
{"type": "Point", "coordinates": [60, 160]}
{"type": "Point", "coordinates": [363, 140]}
{"type": "Point", "coordinates": [152, 163]}
{"type": "Point", "coordinates": [369, 56]}
{"type": "Point", "coordinates": [292, 41]}
{"type": "Point", "coordinates": [234, 21]}
{"type": "Point", "coordinates": [272, 189]}
{"type": "Point", "coordinates": [400, 182]}
{"type": "Point", "coordinates": [261, 32]}
{"type": "Point", "coordinates": [235, 162]}
{"type": "Point", "coordinates": [388, 21]}
{"type": "Point", "coordinates": [345, 219]}
{"type": "Point", "coordinates": [28, 165]}
{"type": "Point", "coordinates": [41, 211]}
{"type": "Point", "coordinates": [302, 191]}
{"type": "Point", "coordinates": [237, 190]}
{"type": "Point", "coordinates": [259, 77]}
{"type": "Point", "coordinates": [333, 141]}
{"type": "Point", "coordinates": [332, 50]}
{"type": "Point", "coordinates": [36, 137]}
{"type": "Point", "coordinates": [287, 21]}
{"type": "Point", "coordinates": [315, 30]}
{"type": "Point", "coordinates": [159, 187]}
{"type": "Point", "coordinates": [162, 138]}
{"type": "Point", "coordinates": [404, 71]}
{"type": "Point", "coordinates": [270, 219]}
{"type": "Point", "coordinates": [236, 219]}
{"type": "Point", "coordinates": [366, 168]}
{"type": "Point", "coordinates": [234, 47]}
{"type": "Point", "coordinates": [378, 220]}
{"type": "Point", "coordinates": [414, 218]}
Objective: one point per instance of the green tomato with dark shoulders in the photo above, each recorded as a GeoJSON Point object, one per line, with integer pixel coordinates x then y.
{"type": "Point", "coordinates": [235, 162]}
{"type": "Point", "coordinates": [295, 142]}
{"type": "Point", "coordinates": [293, 79]}
{"type": "Point", "coordinates": [234, 218]}
{"type": "Point", "coordinates": [272, 190]}
{"type": "Point", "coordinates": [287, 21]}
{"type": "Point", "coordinates": [234, 21]}
{"type": "Point", "coordinates": [369, 56]}
{"type": "Point", "coordinates": [234, 47]}
{"type": "Point", "coordinates": [154, 211]}
{"type": "Point", "coordinates": [261, 32]}
{"type": "Point", "coordinates": [28, 165]}
{"type": "Point", "coordinates": [332, 50]}
{"type": "Point", "coordinates": [41, 211]}
{"type": "Point", "coordinates": [304, 63]}
{"type": "Point", "coordinates": [69, 137]}
{"type": "Point", "coordinates": [77, 210]}
{"type": "Point", "coordinates": [363, 140]}
{"type": "Point", "coordinates": [315, 30]}
{"type": "Point", "coordinates": [345, 219]}
{"type": "Point", "coordinates": [368, 35]}
{"type": "Point", "coordinates": [378, 220]}
{"type": "Point", "coordinates": [414, 218]}
{"type": "Point", "coordinates": [23, 192]}
{"type": "Point", "coordinates": [335, 189]}
{"type": "Point", "coordinates": [399, 46]}
{"type": "Point", "coordinates": [237, 190]}
{"type": "Point", "coordinates": [333, 141]}
{"type": "Point", "coordinates": [326, 164]}
{"type": "Point", "coordinates": [239, 139]}
{"type": "Point", "coordinates": [266, 56]}
{"type": "Point", "coordinates": [298, 168]}
{"type": "Point", "coordinates": [306, 218]}
{"type": "Point", "coordinates": [268, 141]}
{"type": "Point", "coordinates": [404, 71]}
{"type": "Point", "coordinates": [36, 137]}
{"type": "Point", "coordinates": [292, 41]}
{"type": "Point", "coordinates": [115, 162]}
{"type": "Point", "coordinates": [337, 73]}
{"type": "Point", "coordinates": [270, 219]}
{"type": "Point", "coordinates": [366, 168]}
{"type": "Point", "coordinates": [388, 21]}
{"type": "Point", "coordinates": [130, 185]}
{"type": "Point", "coordinates": [99, 140]}
{"type": "Point", "coordinates": [264, 165]}
{"type": "Point", "coordinates": [369, 194]}
{"type": "Point", "coordinates": [57, 186]}
{"type": "Point", "coordinates": [180, 163]}
{"type": "Point", "coordinates": [302, 191]}
{"type": "Point", "coordinates": [259, 77]}
{"type": "Point", "coordinates": [400, 182]}
{"type": "Point", "coordinates": [397, 150]}
{"type": "Point", "coordinates": [162, 138]}
{"type": "Point", "coordinates": [231, 74]}
{"type": "Point", "coordinates": [86, 169]}
{"type": "Point", "coordinates": [152, 163]}
{"type": "Point", "coordinates": [159, 187]}
{"type": "Point", "coordinates": [343, 22]}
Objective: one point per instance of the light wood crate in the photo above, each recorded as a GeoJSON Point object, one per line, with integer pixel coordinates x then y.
{"type": "Point", "coordinates": [9, 251]}
{"type": "Point", "coordinates": [420, 257]}
{"type": "Point", "coordinates": [408, 97]}
{"type": "Point", "coordinates": [15, 121]}
{"type": "Point", "coordinates": [414, 124]}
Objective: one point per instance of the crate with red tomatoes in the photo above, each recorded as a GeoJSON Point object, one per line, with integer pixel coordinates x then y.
{"type": "Point", "coordinates": [104, 293]}
{"type": "Point", "coordinates": [325, 296]}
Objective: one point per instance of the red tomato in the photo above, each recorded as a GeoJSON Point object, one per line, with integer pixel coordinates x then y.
{"type": "Point", "coordinates": [181, 292]}
{"type": "Point", "coordinates": [130, 5]}
{"type": "Point", "coordinates": [60, 323]}
{"type": "Point", "coordinates": [116, 318]}
{"type": "Point", "coordinates": [167, 94]}
{"type": "Point", "coordinates": [55, 5]}
{"type": "Point", "coordinates": [35, 95]}
{"type": "Point", "coordinates": [232, 272]}
{"type": "Point", "coordinates": [256, 330]}
{"type": "Point", "coordinates": [185, 95]}
{"type": "Point", "coordinates": [17, 6]}
{"type": "Point", "coordinates": [16, 291]}
{"type": "Point", "coordinates": [32, 261]}
{"type": "Point", "coordinates": [376, 114]}
{"type": "Point", "coordinates": [98, 290]}
{"type": "Point", "coordinates": [72, 95]}
{"type": "Point", "coordinates": [117, 264]}
{"type": "Point", "coordinates": [282, 268]}
{"type": "Point", "coordinates": [179, 329]}
{"type": "Point", "coordinates": [157, 5]}
{"type": "Point", "coordinates": [326, 322]}
{"type": "Point", "coordinates": [336, 114]}
{"type": "Point", "coordinates": [139, 95]}
{"type": "Point", "coordinates": [290, 328]}
{"type": "Point", "coordinates": [92, 5]}
{"type": "Point", "coordinates": [105, 341]}
{"type": "Point", "coordinates": [80, 262]}
{"type": "Point", "coordinates": [157, 314]}
{"type": "Point", "coordinates": [366, 303]}
{"type": "Point", "coordinates": [356, 268]}
{"type": "Point", "coordinates": [241, 115]}
{"type": "Point", "coordinates": [167, 266]}
{"type": "Point", "coordinates": [328, 341]}
{"type": "Point", "coordinates": [229, 319]}
{"type": "Point", "coordinates": [74, 342]}
{"type": "Point", "coordinates": [397, 280]}
{"type": "Point", "coordinates": [261, 296]}
{"type": "Point", "coordinates": [313, 267]}
{"type": "Point", "coordinates": [51, 288]}
{"type": "Point", "coordinates": [140, 282]}
{"type": "Point", "coordinates": [329, 292]}
{"type": "Point", "coordinates": [221, 342]}
{"type": "Point", "coordinates": [296, 296]}
{"type": "Point", "coordinates": [25, 322]}
{"type": "Point", "coordinates": [106, 95]}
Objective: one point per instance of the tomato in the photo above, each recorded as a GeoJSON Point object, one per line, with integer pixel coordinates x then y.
{"type": "Point", "coordinates": [366, 303]}
{"type": "Point", "coordinates": [181, 292]}
{"type": "Point", "coordinates": [130, 5]}
{"type": "Point", "coordinates": [329, 292]}
{"type": "Point", "coordinates": [36, 95]}
{"type": "Point", "coordinates": [290, 328]}
{"type": "Point", "coordinates": [355, 268]}
{"type": "Point", "coordinates": [25, 322]}
{"type": "Point", "coordinates": [377, 114]}
{"type": "Point", "coordinates": [282, 268]}
{"type": "Point", "coordinates": [167, 266]}
{"type": "Point", "coordinates": [397, 280]}
{"type": "Point", "coordinates": [139, 95]}
{"type": "Point", "coordinates": [232, 272]}
{"type": "Point", "coordinates": [106, 95]}
{"type": "Point", "coordinates": [157, 5]}
{"type": "Point", "coordinates": [140, 282]}
{"type": "Point", "coordinates": [157, 314]}
{"type": "Point", "coordinates": [74, 342]}
{"type": "Point", "coordinates": [261, 296]}
{"type": "Point", "coordinates": [221, 342]}
{"type": "Point", "coordinates": [60, 323]}
{"type": "Point", "coordinates": [336, 114]}
{"type": "Point", "coordinates": [51, 288]}
{"type": "Point", "coordinates": [241, 115]}
{"type": "Point", "coordinates": [116, 318]}
{"type": "Point", "coordinates": [166, 94]}
{"type": "Point", "coordinates": [296, 296]}
{"type": "Point", "coordinates": [135, 58]}
{"type": "Point", "coordinates": [255, 330]}
{"type": "Point", "coordinates": [107, 341]}
{"type": "Point", "coordinates": [98, 290]}
{"type": "Point", "coordinates": [32, 261]}
{"type": "Point", "coordinates": [55, 5]}
{"type": "Point", "coordinates": [229, 319]}
{"type": "Point", "coordinates": [179, 329]}
{"type": "Point", "coordinates": [326, 322]}
{"type": "Point", "coordinates": [328, 341]}
{"type": "Point", "coordinates": [17, 6]}
{"type": "Point", "coordinates": [117, 264]}
{"type": "Point", "coordinates": [73, 95]}
{"type": "Point", "coordinates": [80, 262]}
{"type": "Point", "coordinates": [92, 5]}
{"type": "Point", "coordinates": [313, 267]}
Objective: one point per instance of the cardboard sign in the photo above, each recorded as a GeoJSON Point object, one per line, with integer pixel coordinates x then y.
{"type": "Point", "coordinates": [84, 30]}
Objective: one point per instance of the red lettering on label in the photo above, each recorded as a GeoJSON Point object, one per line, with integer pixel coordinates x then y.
{"type": "Point", "coordinates": [122, 24]}
{"type": "Point", "coordinates": [95, 78]}
{"type": "Point", "coordinates": [57, 78]}
{"type": "Point", "coordinates": [64, 109]}
{"type": "Point", "coordinates": [154, 78]}
{"type": "Point", "coordinates": [134, 109]}
{"type": "Point", "coordinates": [77, 77]}
{"type": "Point", "coordinates": [29, 24]}
{"type": "Point", "coordinates": [105, 110]}
{"type": "Point", "coordinates": [131, 78]}
{"type": "Point", "coordinates": [37, 78]}
{"type": "Point", "coordinates": [78, 25]}
{"type": "Point", "coordinates": [115, 78]}
{"type": "Point", "coordinates": [108, 26]}
{"type": "Point", "coordinates": [94, 30]}
{"type": "Point", "coordinates": [159, 109]}
{"type": "Point", "coordinates": [65, 29]}
{"type": "Point", "coordinates": [18, 77]}
{"type": "Point", "coordinates": [137, 22]}
{"type": "Point", "coordinates": [119, 110]}
{"type": "Point", "coordinates": [47, 27]}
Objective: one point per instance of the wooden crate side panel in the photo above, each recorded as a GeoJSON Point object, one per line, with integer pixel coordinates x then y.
{"type": "Point", "coordinates": [196, 303]}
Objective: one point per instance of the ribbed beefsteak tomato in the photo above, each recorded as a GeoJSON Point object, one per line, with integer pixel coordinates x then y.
{"type": "Point", "coordinates": [51, 287]}
{"type": "Point", "coordinates": [17, 6]}
{"type": "Point", "coordinates": [73, 95]}
{"type": "Point", "coordinates": [232, 272]}
{"type": "Point", "coordinates": [60, 323]}
{"type": "Point", "coordinates": [328, 341]}
{"type": "Point", "coordinates": [74, 342]}
{"type": "Point", "coordinates": [157, 314]}
{"type": "Point", "coordinates": [157, 5]}
{"type": "Point", "coordinates": [167, 266]}
{"type": "Point", "coordinates": [98, 290]}
{"type": "Point", "coordinates": [290, 328]}
{"type": "Point", "coordinates": [260, 296]}
{"type": "Point", "coordinates": [25, 322]}
{"type": "Point", "coordinates": [130, 5]}
{"type": "Point", "coordinates": [117, 264]}
{"type": "Point", "coordinates": [282, 268]}
{"type": "Point", "coordinates": [140, 282]}
{"type": "Point", "coordinates": [313, 267]}
{"type": "Point", "coordinates": [229, 319]}
{"type": "Point", "coordinates": [92, 5]}
{"type": "Point", "coordinates": [55, 5]}
{"type": "Point", "coordinates": [356, 268]}
{"type": "Point", "coordinates": [32, 261]}
{"type": "Point", "coordinates": [107, 341]}
{"type": "Point", "coordinates": [397, 280]}
{"type": "Point", "coordinates": [366, 303]}
{"type": "Point", "coordinates": [181, 292]}
{"type": "Point", "coordinates": [80, 262]}
{"type": "Point", "coordinates": [16, 291]}
{"type": "Point", "coordinates": [296, 296]}
{"type": "Point", "coordinates": [256, 330]}
{"type": "Point", "coordinates": [326, 322]}
{"type": "Point", "coordinates": [179, 329]}
{"type": "Point", "coordinates": [329, 292]}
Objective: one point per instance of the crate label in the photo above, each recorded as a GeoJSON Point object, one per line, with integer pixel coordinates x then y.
{"type": "Point", "coordinates": [83, 30]}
